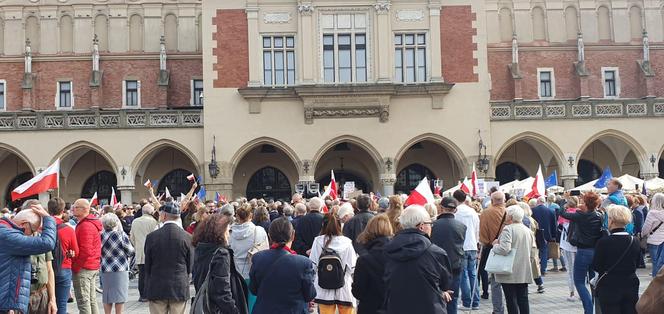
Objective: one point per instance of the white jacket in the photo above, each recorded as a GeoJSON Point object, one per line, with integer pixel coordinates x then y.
{"type": "Point", "coordinates": [652, 221]}
{"type": "Point", "coordinates": [344, 247]}
{"type": "Point", "coordinates": [244, 237]}
{"type": "Point", "coordinates": [471, 219]}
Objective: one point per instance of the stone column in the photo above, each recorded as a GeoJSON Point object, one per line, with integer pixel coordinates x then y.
{"type": "Point", "coordinates": [385, 39]}
{"type": "Point", "coordinates": [569, 181]}
{"type": "Point", "coordinates": [649, 175]}
{"type": "Point", "coordinates": [306, 43]}
{"type": "Point", "coordinates": [434, 30]}
{"type": "Point", "coordinates": [44, 198]}
{"type": "Point", "coordinates": [388, 180]}
{"type": "Point", "coordinates": [126, 194]}
{"type": "Point", "coordinates": [254, 49]}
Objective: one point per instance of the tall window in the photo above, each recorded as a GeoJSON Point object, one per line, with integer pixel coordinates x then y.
{"type": "Point", "coordinates": [344, 48]}
{"type": "Point", "coordinates": [279, 60]}
{"type": "Point", "coordinates": [197, 92]}
{"type": "Point", "coordinates": [64, 94]}
{"type": "Point", "coordinates": [546, 88]}
{"type": "Point", "coordinates": [132, 93]}
{"type": "Point", "coordinates": [410, 63]}
{"type": "Point", "coordinates": [3, 98]}
{"type": "Point", "coordinates": [611, 82]}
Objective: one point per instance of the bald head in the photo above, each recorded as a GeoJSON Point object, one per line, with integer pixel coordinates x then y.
{"type": "Point", "coordinates": [497, 198]}
{"type": "Point", "coordinates": [81, 208]}
{"type": "Point", "coordinates": [29, 220]}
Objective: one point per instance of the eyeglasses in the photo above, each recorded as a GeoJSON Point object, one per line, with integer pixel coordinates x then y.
{"type": "Point", "coordinates": [427, 223]}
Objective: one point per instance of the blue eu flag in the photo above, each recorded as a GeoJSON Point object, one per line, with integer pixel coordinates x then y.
{"type": "Point", "coordinates": [604, 179]}
{"type": "Point", "coordinates": [551, 180]}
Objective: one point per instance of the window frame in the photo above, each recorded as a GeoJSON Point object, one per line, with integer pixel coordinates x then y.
{"type": "Point", "coordinates": [616, 80]}
{"type": "Point", "coordinates": [285, 50]}
{"type": "Point", "coordinates": [58, 91]}
{"type": "Point", "coordinates": [3, 95]}
{"type": "Point", "coordinates": [124, 93]}
{"type": "Point", "coordinates": [417, 47]}
{"type": "Point", "coordinates": [552, 82]}
{"type": "Point", "coordinates": [192, 100]}
{"type": "Point", "coordinates": [353, 32]}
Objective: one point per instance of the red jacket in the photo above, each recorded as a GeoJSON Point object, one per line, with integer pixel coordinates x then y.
{"type": "Point", "coordinates": [88, 236]}
{"type": "Point", "coordinates": [68, 242]}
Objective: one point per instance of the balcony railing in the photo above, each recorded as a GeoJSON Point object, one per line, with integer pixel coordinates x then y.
{"type": "Point", "coordinates": [100, 119]}
{"type": "Point", "coordinates": [577, 109]}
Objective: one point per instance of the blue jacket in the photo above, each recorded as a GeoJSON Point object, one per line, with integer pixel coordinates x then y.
{"type": "Point", "coordinates": [15, 268]}
{"type": "Point", "coordinates": [546, 219]}
{"type": "Point", "coordinates": [282, 282]}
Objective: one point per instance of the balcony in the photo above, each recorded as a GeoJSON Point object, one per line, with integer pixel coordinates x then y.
{"type": "Point", "coordinates": [100, 119]}
{"type": "Point", "coordinates": [577, 109]}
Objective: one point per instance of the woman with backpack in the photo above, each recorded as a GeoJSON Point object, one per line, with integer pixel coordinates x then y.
{"type": "Point", "coordinates": [334, 259]}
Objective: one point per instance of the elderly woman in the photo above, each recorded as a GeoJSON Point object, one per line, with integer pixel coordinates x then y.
{"type": "Point", "coordinates": [653, 228]}
{"type": "Point", "coordinates": [616, 258]}
{"type": "Point", "coordinates": [515, 236]}
{"type": "Point", "coordinates": [345, 213]}
{"type": "Point", "coordinates": [116, 252]}
{"type": "Point", "coordinates": [531, 223]}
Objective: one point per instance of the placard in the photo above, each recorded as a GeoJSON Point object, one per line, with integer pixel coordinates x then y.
{"type": "Point", "coordinates": [349, 187]}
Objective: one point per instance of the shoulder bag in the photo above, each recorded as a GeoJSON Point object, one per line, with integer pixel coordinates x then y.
{"type": "Point", "coordinates": [643, 239]}
{"type": "Point", "coordinates": [500, 264]}
{"type": "Point", "coordinates": [485, 250]}
{"type": "Point", "coordinates": [594, 283]}
{"type": "Point", "coordinates": [252, 250]}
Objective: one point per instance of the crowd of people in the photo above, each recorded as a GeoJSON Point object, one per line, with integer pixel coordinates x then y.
{"type": "Point", "coordinates": [365, 255]}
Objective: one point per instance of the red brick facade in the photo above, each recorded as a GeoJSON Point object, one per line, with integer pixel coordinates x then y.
{"type": "Point", "coordinates": [47, 73]}
{"type": "Point", "coordinates": [568, 85]}
{"type": "Point", "coordinates": [232, 51]}
{"type": "Point", "coordinates": [456, 37]}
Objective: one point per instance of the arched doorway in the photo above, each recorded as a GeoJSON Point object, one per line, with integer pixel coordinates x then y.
{"type": "Point", "coordinates": [409, 177]}
{"type": "Point", "coordinates": [508, 171]}
{"type": "Point", "coordinates": [101, 183]}
{"type": "Point", "coordinates": [351, 163]}
{"type": "Point", "coordinates": [18, 180]}
{"type": "Point", "coordinates": [612, 151]}
{"type": "Point", "coordinates": [269, 183]}
{"type": "Point", "coordinates": [177, 183]}
{"type": "Point", "coordinates": [587, 171]}
{"type": "Point", "coordinates": [78, 164]}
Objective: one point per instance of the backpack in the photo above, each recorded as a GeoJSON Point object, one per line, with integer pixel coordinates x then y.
{"type": "Point", "coordinates": [330, 270]}
{"type": "Point", "coordinates": [58, 254]}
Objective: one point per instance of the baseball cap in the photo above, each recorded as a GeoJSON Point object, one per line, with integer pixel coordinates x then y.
{"type": "Point", "coordinates": [448, 202]}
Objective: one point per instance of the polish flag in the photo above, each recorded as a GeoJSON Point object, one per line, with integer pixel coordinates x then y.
{"type": "Point", "coordinates": [538, 185]}
{"type": "Point", "coordinates": [437, 190]}
{"type": "Point", "coordinates": [168, 193]}
{"type": "Point", "coordinates": [114, 199]}
{"type": "Point", "coordinates": [47, 180]}
{"type": "Point", "coordinates": [148, 184]}
{"type": "Point", "coordinates": [191, 177]}
{"type": "Point", "coordinates": [466, 185]}
{"type": "Point", "coordinates": [94, 201]}
{"type": "Point", "coordinates": [331, 189]}
{"type": "Point", "coordinates": [421, 195]}
{"type": "Point", "coordinates": [473, 181]}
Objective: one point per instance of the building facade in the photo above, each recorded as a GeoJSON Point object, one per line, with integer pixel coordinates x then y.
{"type": "Point", "coordinates": [383, 92]}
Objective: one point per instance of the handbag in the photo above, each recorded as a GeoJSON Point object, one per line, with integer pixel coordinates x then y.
{"type": "Point", "coordinates": [500, 264]}
{"type": "Point", "coordinates": [643, 240]}
{"type": "Point", "coordinates": [554, 250]}
{"type": "Point", "coordinates": [485, 250]}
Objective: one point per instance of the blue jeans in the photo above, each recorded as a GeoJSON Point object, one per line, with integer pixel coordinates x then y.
{"type": "Point", "coordinates": [469, 283]}
{"type": "Point", "coordinates": [453, 305]}
{"type": "Point", "coordinates": [544, 257]}
{"type": "Point", "coordinates": [582, 261]}
{"type": "Point", "coordinates": [62, 288]}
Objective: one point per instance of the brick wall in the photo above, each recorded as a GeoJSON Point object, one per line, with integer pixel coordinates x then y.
{"type": "Point", "coordinates": [456, 37]}
{"type": "Point", "coordinates": [115, 71]}
{"type": "Point", "coordinates": [232, 50]}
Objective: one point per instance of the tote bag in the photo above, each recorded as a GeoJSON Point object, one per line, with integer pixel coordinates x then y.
{"type": "Point", "coordinates": [500, 264]}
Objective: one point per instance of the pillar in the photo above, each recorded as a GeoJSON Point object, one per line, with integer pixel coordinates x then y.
{"type": "Point", "coordinates": [388, 180]}
{"type": "Point", "coordinates": [569, 181]}
{"type": "Point", "coordinates": [44, 198]}
{"type": "Point", "coordinates": [126, 193]}
{"type": "Point", "coordinates": [254, 49]}
{"type": "Point", "coordinates": [385, 39]}
{"type": "Point", "coordinates": [434, 30]}
{"type": "Point", "coordinates": [306, 44]}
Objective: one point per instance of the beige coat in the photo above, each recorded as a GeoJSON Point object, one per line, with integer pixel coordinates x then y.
{"type": "Point", "coordinates": [140, 228]}
{"type": "Point", "coordinates": [517, 237]}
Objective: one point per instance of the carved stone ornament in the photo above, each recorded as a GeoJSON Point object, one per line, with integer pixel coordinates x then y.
{"type": "Point", "coordinates": [311, 113]}
{"type": "Point", "coordinates": [382, 7]}
{"type": "Point", "coordinates": [305, 8]}
{"type": "Point", "coordinates": [276, 18]}
{"type": "Point", "coordinates": [410, 15]}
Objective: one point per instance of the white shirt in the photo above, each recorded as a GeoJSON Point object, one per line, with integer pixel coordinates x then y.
{"type": "Point", "coordinates": [467, 216]}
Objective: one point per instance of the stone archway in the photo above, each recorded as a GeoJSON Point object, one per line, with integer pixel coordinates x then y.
{"type": "Point", "coordinates": [352, 160]}
{"type": "Point", "coordinates": [16, 169]}
{"type": "Point", "coordinates": [265, 168]}
{"type": "Point", "coordinates": [613, 150]}
{"type": "Point", "coordinates": [521, 156]}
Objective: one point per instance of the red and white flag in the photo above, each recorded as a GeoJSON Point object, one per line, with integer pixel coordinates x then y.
{"type": "Point", "coordinates": [474, 183]}
{"type": "Point", "coordinates": [538, 185]}
{"type": "Point", "coordinates": [47, 180]}
{"type": "Point", "coordinates": [191, 177]}
{"type": "Point", "coordinates": [148, 183]}
{"type": "Point", "coordinates": [114, 199]}
{"type": "Point", "coordinates": [421, 195]}
{"type": "Point", "coordinates": [94, 201]}
{"type": "Point", "coordinates": [331, 189]}
{"type": "Point", "coordinates": [466, 185]}
{"type": "Point", "coordinates": [437, 190]}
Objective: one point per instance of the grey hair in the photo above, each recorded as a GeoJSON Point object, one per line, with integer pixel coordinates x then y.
{"type": "Point", "coordinates": [551, 198]}
{"type": "Point", "coordinates": [109, 221]}
{"type": "Point", "coordinates": [148, 209]}
{"type": "Point", "coordinates": [526, 208]}
{"type": "Point", "coordinates": [288, 211]}
{"type": "Point", "coordinates": [532, 202]}
{"type": "Point", "coordinates": [657, 202]}
{"type": "Point", "coordinates": [315, 203]}
{"type": "Point", "coordinates": [28, 203]}
{"type": "Point", "coordinates": [28, 215]}
{"type": "Point", "coordinates": [300, 208]}
{"type": "Point", "coordinates": [541, 200]}
{"type": "Point", "coordinates": [345, 209]}
{"type": "Point", "coordinates": [227, 209]}
{"type": "Point", "coordinates": [413, 216]}
{"type": "Point", "coordinates": [516, 213]}
{"type": "Point", "coordinates": [497, 198]}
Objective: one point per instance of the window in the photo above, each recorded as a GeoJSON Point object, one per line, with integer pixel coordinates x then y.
{"type": "Point", "coordinates": [344, 48]}
{"type": "Point", "coordinates": [547, 87]}
{"type": "Point", "coordinates": [64, 100]}
{"type": "Point", "coordinates": [611, 80]}
{"type": "Point", "coordinates": [197, 92]}
{"type": "Point", "coordinates": [3, 97]}
{"type": "Point", "coordinates": [410, 63]}
{"type": "Point", "coordinates": [278, 60]}
{"type": "Point", "coordinates": [132, 94]}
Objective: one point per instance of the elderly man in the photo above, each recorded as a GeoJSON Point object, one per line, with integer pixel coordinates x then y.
{"type": "Point", "coordinates": [299, 212]}
{"type": "Point", "coordinates": [141, 227]}
{"type": "Point", "coordinates": [168, 263]}
{"type": "Point", "coordinates": [356, 225]}
{"type": "Point", "coordinates": [417, 273]}
{"type": "Point", "coordinates": [492, 221]}
{"type": "Point", "coordinates": [86, 265]}
{"type": "Point", "coordinates": [308, 227]}
{"type": "Point", "coordinates": [18, 241]}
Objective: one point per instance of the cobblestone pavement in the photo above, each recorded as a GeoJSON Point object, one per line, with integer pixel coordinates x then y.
{"type": "Point", "coordinates": [553, 301]}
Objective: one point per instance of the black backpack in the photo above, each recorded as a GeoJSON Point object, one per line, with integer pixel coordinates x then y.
{"type": "Point", "coordinates": [58, 255]}
{"type": "Point", "coordinates": [330, 270]}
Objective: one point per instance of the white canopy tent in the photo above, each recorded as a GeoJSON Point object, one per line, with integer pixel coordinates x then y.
{"type": "Point", "coordinates": [655, 185]}
{"type": "Point", "coordinates": [629, 184]}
